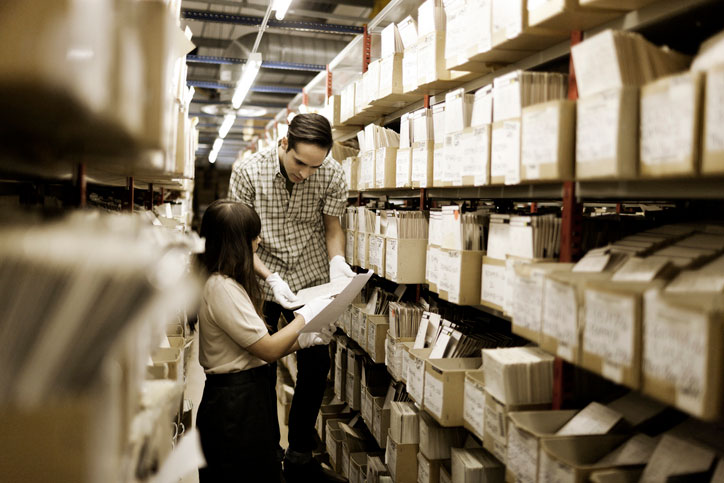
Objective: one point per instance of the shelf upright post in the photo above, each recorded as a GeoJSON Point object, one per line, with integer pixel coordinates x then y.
{"type": "Point", "coordinates": [305, 97]}
{"type": "Point", "coordinates": [329, 82]}
{"type": "Point", "coordinates": [571, 220]}
{"type": "Point", "coordinates": [366, 49]}
{"type": "Point", "coordinates": [150, 196]}
{"type": "Point", "coordinates": [129, 187]}
{"type": "Point", "coordinates": [81, 185]}
{"type": "Point", "coordinates": [162, 195]}
{"type": "Point", "coordinates": [426, 101]}
{"type": "Point", "coordinates": [534, 207]}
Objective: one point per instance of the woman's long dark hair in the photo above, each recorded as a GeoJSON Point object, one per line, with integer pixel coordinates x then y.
{"type": "Point", "coordinates": [229, 228]}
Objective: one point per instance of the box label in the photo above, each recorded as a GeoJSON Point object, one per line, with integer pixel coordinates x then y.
{"type": "Point", "coordinates": [667, 123]}
{"type": "Point", "coordinates": [495, 421]}
{"type": "Point", "coordinates": [449, 271]}
{"type": "Point", "coordinates": [560, 312]}
{"type": "Point", "coordinates": [420, 165]}
{"type": "Point", "coordinates": [416, 380]}
{"type": "Point", "coordinates": [362, 249]}
{"type": "Point", "coordinates": [372, 341]}
{"type": "Point", "coordinates": [474, 406]}
{"type": "Point", "coordinates": [433, 395]}
{"type": "Point", "coordinates": [597, 127]}
{"type": "Point", "coordinates": [522, 455]}
{"type": "Point", "coordinates": [493, 284]}
{"type": "Point", "coordinates": [391, 260]}
{"type": "Point", "coordinates": [349, 248]}
{"type": "Point", "coordinates": [609, 326]}
{"type": "Point", "coordinates": [552, 470]}
{"type": "Point", "coordinates": [402, 171]}
{"type": "Point", "coordinates": [540, 139]}
{"type": "Point", "coordinates": [527, 302]}
{"type": "Point", "coordinates": [676, 350]}
{"type": "Point", "coordinates": [377, 244]}
{"type": "Point", "coordinates": [714, 131]}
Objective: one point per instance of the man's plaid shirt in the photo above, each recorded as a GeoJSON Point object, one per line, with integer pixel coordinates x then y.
{"type": "Point", "coordinates": [292, 228]}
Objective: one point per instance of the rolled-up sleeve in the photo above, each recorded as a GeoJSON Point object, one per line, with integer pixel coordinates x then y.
{"type": "Point", "coordinates": [241, 187]}
{"type": "Point", "coordinates": [335, 199]}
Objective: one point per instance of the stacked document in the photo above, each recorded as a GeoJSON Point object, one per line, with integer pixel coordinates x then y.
{"type": "Point", "coordinates": [391, 40]}
{"type": "Point", "coordinates": [518, 89]}
{"type": "Point", "coordinates": [404, 423]}
{"type": "Point", "coordinates": [475, 465]}
{"type": "Point", "coordinates": [463, 339]}
{"type": "Point", "coordinates": [532, 236]}
{"type": "Point", "coordinates": [615, 59]}
{"type": "Point", "coordinates": [375, 137]}
{"type": "Point", "coordinates": [410, 225]}
{"type": "Point", "coordinates": [519, 375]}
{"type": "Point", "coordinates": [405, 319]}
{"type": "Point", "coordinates": [463, 231]}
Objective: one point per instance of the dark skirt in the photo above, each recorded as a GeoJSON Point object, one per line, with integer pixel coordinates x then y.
{"type": "Point", "coordinates": [238, 427]}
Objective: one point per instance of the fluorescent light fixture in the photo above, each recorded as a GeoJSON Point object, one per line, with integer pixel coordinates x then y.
{"type": "Point", "coordinates": [226, 125]}
{"type": "Point", "coordinates": [212, 156]}
{"type": "Point", "coordinates": [303, 109]}
{"type": "Point", "coordinates": [251, 69]}
{"type": "Point", "coordinates": [281, 7]}
{"type": "Point", "coordinates": [217, 144]}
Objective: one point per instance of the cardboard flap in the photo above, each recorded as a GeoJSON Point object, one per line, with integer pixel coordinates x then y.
{"type": "Point", "coordinates": [541, 423]}
{"type": "Point", "coordinates": [582, 451]}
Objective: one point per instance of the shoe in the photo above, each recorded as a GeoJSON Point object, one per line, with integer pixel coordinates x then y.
{"type": "Point", "coordinates": [311, 471]}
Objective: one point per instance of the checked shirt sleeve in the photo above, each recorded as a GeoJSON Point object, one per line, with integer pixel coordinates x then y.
{"type": "Point", "coordinates": [335, 200]}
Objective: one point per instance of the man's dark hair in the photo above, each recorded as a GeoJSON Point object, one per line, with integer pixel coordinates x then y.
{"type": "Point", "coordinates": [310, 128]}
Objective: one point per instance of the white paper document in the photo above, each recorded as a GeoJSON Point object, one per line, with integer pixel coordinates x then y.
{"type": "Point", "coordinates": [332, 311]}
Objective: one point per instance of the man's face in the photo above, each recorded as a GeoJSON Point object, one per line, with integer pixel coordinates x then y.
{"type": "Point", "coordinates": [301, 162]}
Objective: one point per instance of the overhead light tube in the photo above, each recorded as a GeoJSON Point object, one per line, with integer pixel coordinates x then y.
{"type": "Point", "coordinates": [248, 75]}
{"type": "Point", "coordinates": [281, 7]}
{"type": "Point", "coordinates": [229, 120]}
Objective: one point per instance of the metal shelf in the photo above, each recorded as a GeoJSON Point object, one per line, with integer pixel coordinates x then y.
{"type": "Point", "coordinates": [652, 189]}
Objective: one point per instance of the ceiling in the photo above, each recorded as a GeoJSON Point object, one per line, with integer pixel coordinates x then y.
{"type": "Point", "coordinates": [299, 39]}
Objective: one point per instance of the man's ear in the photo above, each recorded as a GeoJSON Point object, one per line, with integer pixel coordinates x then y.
{"type": "Point", "coordinates": [284, 143]}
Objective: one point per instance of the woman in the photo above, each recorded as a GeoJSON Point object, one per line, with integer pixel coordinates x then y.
{"type": "Point", "coordinates": [237, 417]}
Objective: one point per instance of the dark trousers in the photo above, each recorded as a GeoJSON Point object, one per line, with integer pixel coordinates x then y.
{"type": "Point", "coordinates": [312, 369]}
{"type": "Point", "coordinates": [238, 428]}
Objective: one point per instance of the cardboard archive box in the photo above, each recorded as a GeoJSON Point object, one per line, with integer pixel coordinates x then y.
{"type": "Point", "coordinates": [381, 421]}
{"type": "Point", "coordinates": [612, 330]}
{"type": "Point", "coordinates": [334, 439]}
{"type": "Point", "coordinates": [358, 467]}
{"type": "Point", "coordinates": [547, 141]}
{"type": "Point", "coordinates": [403, 349]}
{"type": "Point", "coordinates": [363, 249]}
{"type": "Point", "coordinates": [421, 164]}
{"type": "Point", "coordinates": [670, 123]}
{"type": "Point", "coordinates": [432, 264]}
{"type": "Point", "coordinates": [712, 156]}
{"type": "Point", "coordinates": [567, 15]}
{"type": "Point", "coordinates": [376, 250]}
{"type": "Point", "coordinates": [385, 166]}
{"type": "Point", "coordinates": [562, 311]}
{"type": "Point", "coordinates": [405, 260]}
{"type": "Point", "coordinates": [391, 92]}
{"type": "Point", "coordinates": [350, 249]}
{"type": "Point", "coordinates": [377, 326]}
{"type": "Point", "coordinates": [367, 170]}
{"type": "Point", "coordinates": [467, 158]}
{"type": "Point", "coordinates": [607, 134]}
{"type": "Point", "coordinates": [353, 394]}
{"type": "Point", "coordinates": [416, 374]}
{"type": "Point", "coordinates": [683, 353]}
{"type": "Point", "coordinates": [428, 471]}
{"type": "Point", "coordinates": [347, 103]}
{"type": "Point", "coordinates": [401, 460]}
{"type": "Point", "coordinates": [495, 436]}
{"type": "Point", "coordinates": [474, 403]}
{"type": "Point", "coordinates": [444, 382]}
{"type": "Point", "coordinates": [403, 168]}
{"type": "Point", "coordinates": [574, 458]}
{"type": "Point", "coordinates": [511, 29]}
{"type": "Point", "coordinates": [492, 283]}
{"type": "Point", "coordinates": [505, 152]}
{"type": "Point", "coordinates": [459, 273]}
{"type": "Point", "coordinates": [409, 71]}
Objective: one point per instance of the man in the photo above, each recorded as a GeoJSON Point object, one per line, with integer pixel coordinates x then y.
{"type": "Point", "coordinates": [300, 193]}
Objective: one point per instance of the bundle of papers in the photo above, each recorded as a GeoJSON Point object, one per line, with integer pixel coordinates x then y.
{"type": "Point", "coordinates": [350, 219]}
{"type": "Point", "coordinates": [411, 225]}
{"type": "Point", "coordinates": [437, 441]}
{"type": "Point", "coordinates": [615, 58]}
{"type": "Point", "coordinates": [519, 375]}
{"type": "Point", "coordinates": [475, 465]}
{"type": "Point", "coordinates": [375, 137]}
{"type": "Point", "coordinates": [463, 231]}
{"type": "Point", "coordinates": [460, 339]}
{"type": "Point", "coordinates": [404, 423]}
{"type": "Point", "coordinates": [404, 319]}
{"type": "Point", "coordinates": [422, 126]}
{"type": "Point", "coordinates": [458, 110]}
{"type": "Point", "coordinates": [482, 107]}
{"type": "Point", "coordinates": [379, 302]}
{"type": "Point", "coordinates": [366, 220]}
{"type": "Point", "coordinates": [518, 89]}
{"type": "Point", "coordinates": [535, 236]}
{"type": "Point", "coordinates": [391, 40]}
{"type": "Point", "coordinates": [408, 32]}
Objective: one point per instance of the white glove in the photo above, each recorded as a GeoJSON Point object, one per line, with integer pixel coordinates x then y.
{"type": "Point", "coordinates": [309, 339]}
{"type": "Point", "coordinates": [338, 268]}
{"type": "Point", "coordinates": [313, 308]}
{"type": "Point", "coordinates": [282, 293]}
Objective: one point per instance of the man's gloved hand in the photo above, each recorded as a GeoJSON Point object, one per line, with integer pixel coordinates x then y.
{"type": "Point", "coordinates": [309, 339]}
{"type": "Point", "coordinates": [314, 307]}
{"type": "Point", "coordinates": [338, 268]}
{"type": "Point", "coordinates": [282, 293]}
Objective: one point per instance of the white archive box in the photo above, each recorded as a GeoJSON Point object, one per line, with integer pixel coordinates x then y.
{"type": "Point", "coordinates": [333, 109]}
{"type": "Point", "coordinates": [405, 260]}
{"type": "Point", "coordinates": [403, 168]}
{"type": "Point", "coordinates": [683, 351]}
{"type": "Point", "coordinates": [421, 164]}
{"type": "Point", "coordinates": [712, 155]}
{"type": "Point", "coordinates": [363, 249]}
{"type": "Point", "coordinates": [567, 14]}
{"type": "Point", "coordinates": [409, 70]}
{"type": "Point", "coordinates": [511, 29]}
{"type": "Point", "coordinates": [495, 437]}
{"type": "Point", "coordinates": [347, 104]}
{"type": "Point", "coordinates": [367, 170]}
{"type": "Point", "coordinates": [350, 249]}
{"type": "Point", "coordinates": [444, 382]}
{"type": "Point", "coordinates": [385, 167]}
{"type": "Point", "coordinates": [416, 374]}
{"type": "Point", "coordinates": [474, 403]}
{"type": "Point", "coordinates": [432, 262]}
{"type": "Point", "coordinates": [459, 275]}
{"type": "Point", "coordinates": [493, 283]}
{"type": "Point", "coordinates": [505, 152]}
{"type": "Point", "coordinates": [607, 134]}
{"type": "Point", "coordinates": [376, 261]}
{"type": "Point", "coordinates": [547, 141]}
{"type": "Point", "coordinates": [467, 158]}
{"type": "Point", "coordinates": [670, 120]}
{"type": "Point", "coordinates": [563, 311]}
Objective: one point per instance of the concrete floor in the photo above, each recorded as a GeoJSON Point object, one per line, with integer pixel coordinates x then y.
{"type": "Point", "coordinates": [194, 390]}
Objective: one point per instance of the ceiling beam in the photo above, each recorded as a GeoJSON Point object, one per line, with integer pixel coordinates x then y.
{"type": "Point", "coordinates": [296, 11]}
{"type": "Point", "coordinates": [227, 18]}
{"type": "Point", "coordinates": [265, 64]}
{"type": "Point", "coordinates": [255, 88]}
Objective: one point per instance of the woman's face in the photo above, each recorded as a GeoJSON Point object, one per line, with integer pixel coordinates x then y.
{"type": "Point", "coordinates": [255, 243]}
